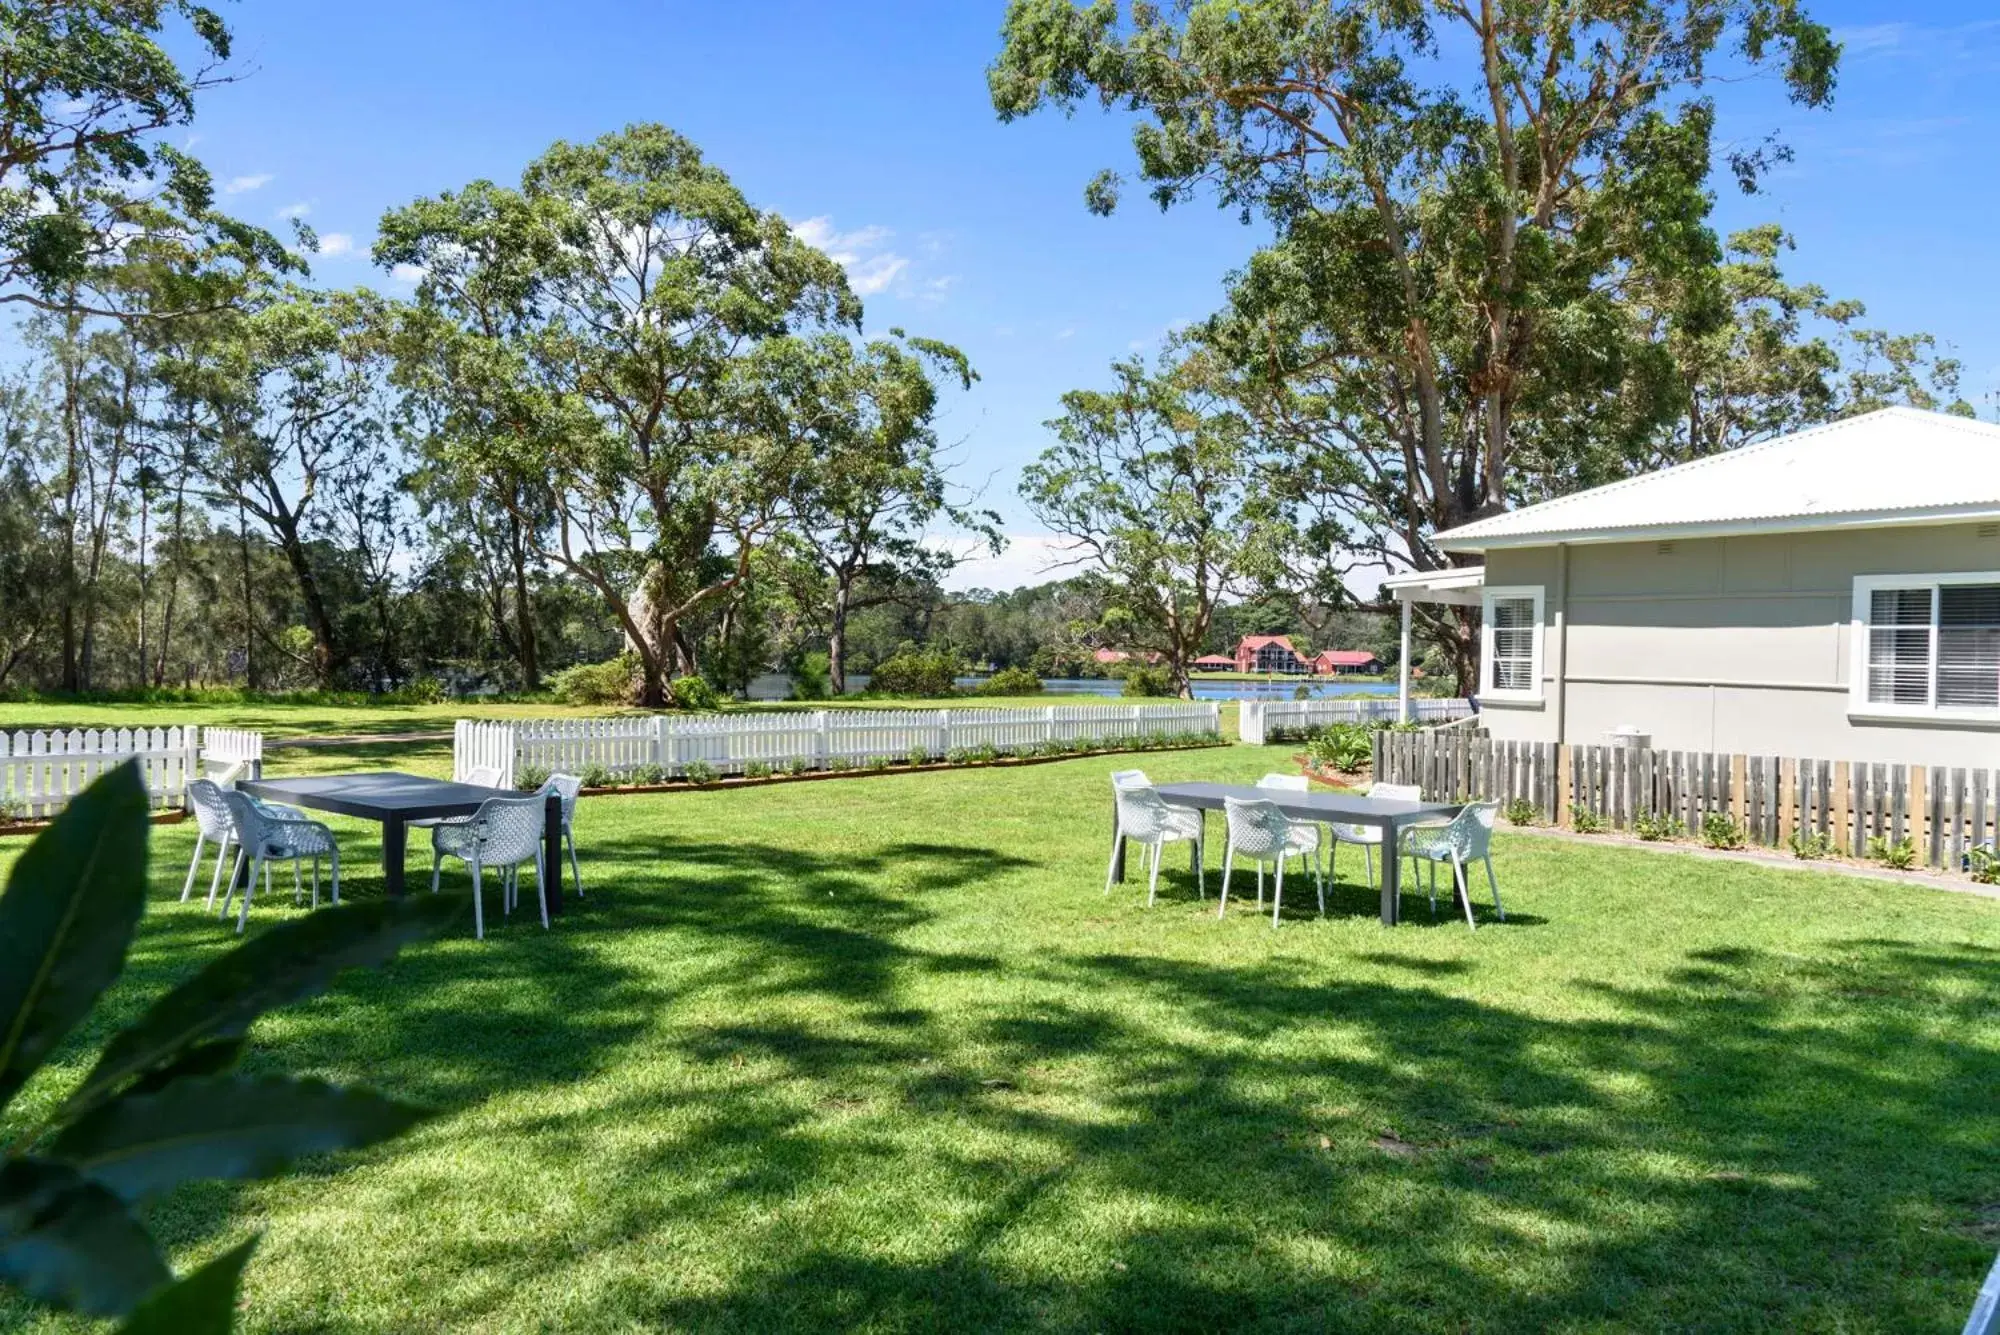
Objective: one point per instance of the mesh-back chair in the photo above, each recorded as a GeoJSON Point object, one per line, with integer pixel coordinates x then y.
{"type": "Point", "coordinates": [1305, 834]}
{"type": "Point", "coordinates": [1147, 819]}
{"type": "Point", "coordinates": [212, 822]}
{"type": "Point", "coordinates": [264, 836]}
{"type": "Point", "coordinates": [1468, 838]}
{"type": "Point", "coordinates": [504, 833]}
{"type": "Point", "coordinates": [479, 776]}
{"type": "Point", "coordinates": [1368, 836]}
{"type": "Point", "coordinates": [1262, 833]}
{"type": "Point", "coordinates": [567, 786]}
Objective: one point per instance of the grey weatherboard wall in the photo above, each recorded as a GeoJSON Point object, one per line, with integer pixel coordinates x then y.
{"type": "Point", "coordinates": [1732, 644]}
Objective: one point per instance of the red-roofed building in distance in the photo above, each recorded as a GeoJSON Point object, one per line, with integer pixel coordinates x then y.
{"type": "Point", "coordinates": [1338, 662]}
{"type": "Point", "coordinates": [1270, 653]}
{"type": "Point", "coordinates": [1214, 663]}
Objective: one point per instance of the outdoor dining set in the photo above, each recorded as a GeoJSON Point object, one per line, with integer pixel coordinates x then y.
{"type": "Point", "coordinates": [1279, 817]}
{"type": "Point", "coordinates": [486, 827]}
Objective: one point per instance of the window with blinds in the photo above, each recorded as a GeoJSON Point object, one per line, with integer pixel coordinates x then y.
{"type": "Point", "coordinates": [1934, 646]}
{"type": "Point", "coordinates": [1514, 624]}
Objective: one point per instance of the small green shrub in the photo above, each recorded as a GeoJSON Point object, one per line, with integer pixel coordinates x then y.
{"type": "Point", "coordinates": [917, 755]}
{"type": "Point", "coordinates": [838, 764]}
{"type": "Point", "coordinates": [958, 755]}
{"type": "Point", "coordinates": [646, 774]}
{"type": "Point", "coordinates": [1348, 747]}
{"type": "Point", "coordinates": [757, 769]}
{"type": "Point", "coordinates": [1720, 830]}
{"type": "Point", "coordinates": [985, 753]}
{"type": "Point", "coordinates": [597, 776]}
{"type": "Point", "coordinates": [695, 693]}
{"type": "Point", "coordinates": [1522, 811]}
{"type": "Point", "coordinates": [1011, 681]}
{"type": "Point", "coordinates": [606, 683]}
{"type": "Point", "coordinates": [425, 690]}
{"type": "Point", "coordinates": [530, 777]}
{"type": "Point", "coordinates": [1083, 746]}
{"type": "Point", "coordinates": [1146, 683]}
{"type": "Point", "coordinates": [699, 773]}
{"type": "Point", "coordinates": [1654, 826]}
{"type": "Point", "coordinates": [1983, 865]}
{"type": "Point", "coordinates": [1900, 855]}
{"type": "Point", "coordinates": [1810, 845]}
{"type": "Point", "coordinates": [798, 765]}
{"type": "Point", "coordinates": [931, 673]}
{"type": "Point", "coordinates": [812, 677]}
{"type": "Point", "coordinates": [877, 764]}
{"type": "Point", "coordinates": [1585, 820]}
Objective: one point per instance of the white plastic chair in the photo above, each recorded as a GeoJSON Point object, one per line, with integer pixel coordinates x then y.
{"type": "Point", "coordinates": [264, 836]}
{"type": "Point", "coordinates": [1368, 836]}
{"type": "Point", "coordinates": [567, 786]}
{"type": "Point", "coordinates": [1148, 820]}
{"type": "Point", "coordinates": [504, 833]}
{"type": "Point", "coordinates": [213, 821]}
{"type": "Point", "coordinates": [1305, 834]}
{"type": "Point", "coordinates": [479, 776]}
{"type": "Point", "coordinates": [1261, 832]}
{"type": "Point", "coordinates": [1466, 839]}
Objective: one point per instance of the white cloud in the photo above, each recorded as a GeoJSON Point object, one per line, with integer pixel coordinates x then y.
{"type": "Point", "coordinates": [1027, 559]}
{"type": "Point", "coordinates": [1068, 331]}
{"type": "Point", "coordinates": [873, 265]}
{"type": "Point", "coordinates": [299, 210]}
{"type": "Point", "coordinates": [407, 273]}
{"type": "Point", "coordinates": [332, 245]}
{"type": "Point", "coordinates": [243, 185]}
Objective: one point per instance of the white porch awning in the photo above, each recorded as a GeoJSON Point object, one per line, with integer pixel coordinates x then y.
{"type": "Point", "coordinates": [1461, 585]}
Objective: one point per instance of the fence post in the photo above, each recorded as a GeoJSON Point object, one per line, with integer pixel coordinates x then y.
{"type": "Point", "coordinates": [822, 738]}
{"type": "Point", "coordinates": [1049, 725]}
{"type": "Point", "coordinates": [1215, 719]}
{"type": "Point", "coordinates": [943, 733]}
{"type": "Point", "coordinates": [1250, 722]}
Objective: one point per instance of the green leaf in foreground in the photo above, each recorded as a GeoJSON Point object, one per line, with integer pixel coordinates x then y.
{"type": "Point", "coordinates": [67, 918]}
{"type": "Point", "coordinates": [70, 1242]}
{"type": "Point", "coordinates": [290, 961]}
{"type": "Point", "coordinates": [197, 1303]}
{"type": "Point", "coordinates": [203, 1127]}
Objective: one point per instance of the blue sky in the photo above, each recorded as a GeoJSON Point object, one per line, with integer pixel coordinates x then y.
{"type": "Point", "coordinates": [872, 121]}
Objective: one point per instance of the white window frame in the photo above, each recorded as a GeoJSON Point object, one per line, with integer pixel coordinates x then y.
{"type": "Point", "coordinates": [1487, 597]}
{"type": "Point", "coordinates": [1859, 706]}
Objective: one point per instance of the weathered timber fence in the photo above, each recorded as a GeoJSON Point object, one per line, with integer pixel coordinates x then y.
{"type": "Point", "coordinates": [1944, 812]}
{"type": "Point", "coordinates": [41, 771]}
{"type": "Point", "coordinates": [1260, 721]}
{"type": "Point", "coordinates": [728, 743]}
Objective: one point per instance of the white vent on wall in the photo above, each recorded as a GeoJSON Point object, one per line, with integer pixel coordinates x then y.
{"type": "Point", "coordinates": [1666, 549]}
{"type": "Point", "coordinates": [1989, 530]}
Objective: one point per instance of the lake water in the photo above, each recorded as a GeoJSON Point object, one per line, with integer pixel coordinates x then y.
{"type": "Point", "coordinates": [776, 686]}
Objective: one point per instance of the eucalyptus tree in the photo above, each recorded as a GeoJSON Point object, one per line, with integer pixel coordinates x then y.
{"type": "Point", "coordinates": [1464, 194]}
{"type": "Point", "coordinates": [879, 483]}
{"type": "Point", "coordinates": [1159, 486]}
{"type": "Point", "coordinates": [619, 329]}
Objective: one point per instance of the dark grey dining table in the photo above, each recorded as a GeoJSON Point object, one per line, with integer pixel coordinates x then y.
{"type": "Point", "coordinates": [1389, 815]}
{"type": "Point", "coordinates": [394, 800]}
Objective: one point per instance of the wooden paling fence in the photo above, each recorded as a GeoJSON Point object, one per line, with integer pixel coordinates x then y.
{"type": "Point", "coordinates": [1944, 812]}
{"type": "Point", "coordinates": [728, 743]}
{"type": "Point", "coordinates": [41, 771]}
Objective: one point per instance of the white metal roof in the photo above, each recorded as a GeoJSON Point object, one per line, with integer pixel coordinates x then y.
{"type": "Point", "coordinates": [1458, 585]}
{"type": "Point", "coordinates": [1896, 466]}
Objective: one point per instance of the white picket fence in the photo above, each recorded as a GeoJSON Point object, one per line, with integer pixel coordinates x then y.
{"type": "Point", "coordinates": [728, 743]}
{"type": "Point", "coordinates": [1259, 720]}
{"type": "Point", "coordinates": [41, 771]}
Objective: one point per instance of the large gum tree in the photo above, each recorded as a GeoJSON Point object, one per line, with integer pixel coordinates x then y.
{"type": "Point", "coordinates": [1463, 196]}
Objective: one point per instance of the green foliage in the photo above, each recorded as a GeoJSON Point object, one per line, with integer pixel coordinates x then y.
{"type": "Point", "coordinates": [757, 769]}
{"type": "Point", "coordinates": [1720, 830]}
{"type": "Point", "coordinates": [838, 764]}
{"type": "Point", "coordinates": [1654, 826]}
{"type": "Point", "coordinates": [958, 755]}
{"type": "Point", "coordinates": [696, 694]}
{"type": "Point", "coordinates": [1146, 683]}
{"type": "Point", "coordinates": [798, 765]}
{"type": "Point", "coordinates": [984, 754]}
{"type": "Point", "coordinates": [1349, 747]}
{"type": "Point", "coordinates": [606, 683]}
{"type": "Point", "coordinates": [1586, 820]}
{"type": "Point", "coordinates": [1523, 811]}
{"type": "Point", "coordinates": [646, 774]}
{"type": "Point", "coordinates": [1012, 681]}
{"type": "Point", "coordinates": [425, 690]}
{"type": "Point", "coordinates": [1810, 845]}
{"type": "Point", "coordinates": [926, 673]}
{"type": "Point", "coordinates": [158, 1107]}
{"type": "Point", "coordinates": [530, 778]}
{"type": "Point", "coordinates": [877, 764]}
{"type": "Point", "coordinates": [598, 776]}
{"type": "Point", "coordinates": [810, 677]}
{"type": "Point", "coordinates": [698, 772]}
{"type": "Point", "coordinates": [1899, 854]}
{"type": "Point", "coordinates": [1983, 865]}
{"type": "Point", "coordinates": [918, 755]}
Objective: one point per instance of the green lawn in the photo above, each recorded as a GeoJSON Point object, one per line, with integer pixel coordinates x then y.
{"type": "Point", "coordinates": [878, 1054]}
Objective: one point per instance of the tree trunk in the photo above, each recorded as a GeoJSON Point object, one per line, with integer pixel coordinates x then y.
{"type": "Point", "coordinates": [249, 612]}
{"type": "Point", "coordinates": [318, 620]}
{"type": "Point", "coordinates": [524, 610]}
{"type": "Point", "coordinates": [836, 639]}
